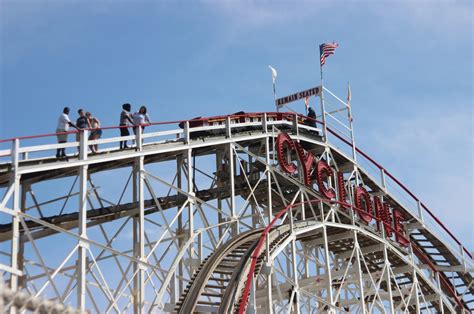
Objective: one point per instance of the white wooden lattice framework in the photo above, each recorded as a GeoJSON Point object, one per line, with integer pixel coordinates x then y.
{"type": "Point", "coordinates": [126, 230]}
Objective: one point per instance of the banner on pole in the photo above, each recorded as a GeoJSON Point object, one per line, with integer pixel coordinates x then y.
{"type": "Point", "coordinates": [315, 91]}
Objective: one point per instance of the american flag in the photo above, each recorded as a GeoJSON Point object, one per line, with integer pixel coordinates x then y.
{"type": "Point", "coordinates": [325, 50]}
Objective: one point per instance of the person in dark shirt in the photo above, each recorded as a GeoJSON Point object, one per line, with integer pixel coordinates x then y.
{"type": "Point", "coordinates": [82, 123]}
{"type": "Point", "coordinates": [311, 121]}
{"type": "Point", "coordinates": [125, 121]}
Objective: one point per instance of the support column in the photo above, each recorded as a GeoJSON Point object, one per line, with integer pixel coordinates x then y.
{"type": "Point", "coordinates": [232, 187]}
{"type": "Point", "coordinates": [219, 183]}
{"type": "Point", "coordinates": [270, 216]}
{"type": "Point", "coordinates": [417, 299]}
{"type": "Point", "coordinates": [359, 273]}
{"type": "Point", "coordinates": [25, 188]}
{"type": "Point", "coordinates": [302, 206]}
{"type": "Point", "coordinates": [387, 275]}
{"type": "Point", "coordinates": [251, 175]}
{"type": "Point", "coordinates": [306, 274]}
{"type": "Point", "coordinates": [190, 190]}
{"type": "Point", "coordinates": [438, 284]}
{"type": "Point", "coordinates": [295, 267]}
{"type": "Point", "coordinates": [136, 285]}
{"type": "Point", "coordinates": [83, 246]}
{"type": "Point", "coordinates": [327, 258]}
{"type": "Point", "coordinates": [415, 281]}
{"type": "Point", "coordinates": [269, 180]}
{"type": "Point", "coordinates": [15, 221]}
{"type": "Point", "coordinates": [141, 233]}
{"type": "Point", "coordinates": [178, 282]}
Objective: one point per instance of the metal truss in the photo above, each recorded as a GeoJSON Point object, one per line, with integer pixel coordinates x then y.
{"type": "Point", "coordinates": [132, 230]}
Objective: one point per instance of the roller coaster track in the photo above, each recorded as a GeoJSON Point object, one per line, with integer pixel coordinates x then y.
{"type": "Point", "coordinates": [218, 279]}
{"type": "Point", "coordinates": [221, 282]}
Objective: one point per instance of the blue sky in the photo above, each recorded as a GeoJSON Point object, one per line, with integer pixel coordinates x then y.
{"type": "Point", "coordinates": [410, 65]}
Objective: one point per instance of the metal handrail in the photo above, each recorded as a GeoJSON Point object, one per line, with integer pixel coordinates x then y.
{"type": "Point", "coordinates": [284, 116]}
{"type": "Point", "coordinates": [391, 176]}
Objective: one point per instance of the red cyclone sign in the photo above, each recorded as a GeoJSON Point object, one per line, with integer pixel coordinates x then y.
{"type": "Point", "coordinates": [367, 207]}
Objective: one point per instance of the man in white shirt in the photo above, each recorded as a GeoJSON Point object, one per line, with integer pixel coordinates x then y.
{"type": "Point", "coordinates": [63, 126]}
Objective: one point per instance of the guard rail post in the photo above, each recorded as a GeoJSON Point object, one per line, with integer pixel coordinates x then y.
{"type": "Point", "coordinates": [15, 153]}
{"type": "Point", "coordinates": [228, 128]}
{"type": "Point", "coordinates": [383, 179]}
{"type": "Point", "coordinates": [138, 137]}
{"type": "Point", "coordinates": [186, 132]}
{"type": "Point", "coordinates": [264, 123]}
{"type": "Point", "coordinates": [463, 260]}
{"type": "Point", "coordinates": [295, 124]}
{"type": "Point", "coordinates": [420, 212]}
{"type": "Point", "coordinates": [83, 147]}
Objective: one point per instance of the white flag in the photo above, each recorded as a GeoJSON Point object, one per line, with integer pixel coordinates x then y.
{"type": "Point", "coordinates": [274, 73]}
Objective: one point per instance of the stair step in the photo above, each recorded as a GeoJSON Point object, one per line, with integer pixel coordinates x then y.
{"type": "Point", "coordinates": [219, 279]}
{"type": "Point", "coordinates": [223, 271]}
{"type": "Point", "coordinates": [239, 249]}
{"type": "Point", "coordinates": [208, 303]}
{"type": "Point", "coordinates": [212, 294]}
{"type": "Point", "coordinates": [231, 260]}
{"type": "Point", "coordinates": [235, 255]}
{"type": "Point", "coordinates": [216, 287]}
{"type": "Point", "coordinates": [227, 266]}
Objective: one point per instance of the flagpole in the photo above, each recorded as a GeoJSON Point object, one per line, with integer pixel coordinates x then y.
{"type": "Point", "coordinates": [354, 154]}
{"type": "Point", "coordinates": [323, 109]}
{"type": "Point", "coordinates": [350, 118]}
{"type": "Point", "coordinates": [275, 97]}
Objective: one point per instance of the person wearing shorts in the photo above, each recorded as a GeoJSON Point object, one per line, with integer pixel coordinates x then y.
{"type": "Point", "coordinates": [63, 126]}
{"type": "Point", "coordinates": [96, 132]}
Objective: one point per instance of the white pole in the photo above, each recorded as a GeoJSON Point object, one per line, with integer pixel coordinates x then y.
{"type": "Point", "coordinates": [349, 117]}
{"type": "Point", "coordinates": [323, 109]}
{"type": "Point", "coordinates": [274, 97]}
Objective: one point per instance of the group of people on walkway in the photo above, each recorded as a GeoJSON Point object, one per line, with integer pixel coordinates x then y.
{"type": "Point", "coordinates": [127, 119]}
{"type": "Point", "coordinates": [87, 121]}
